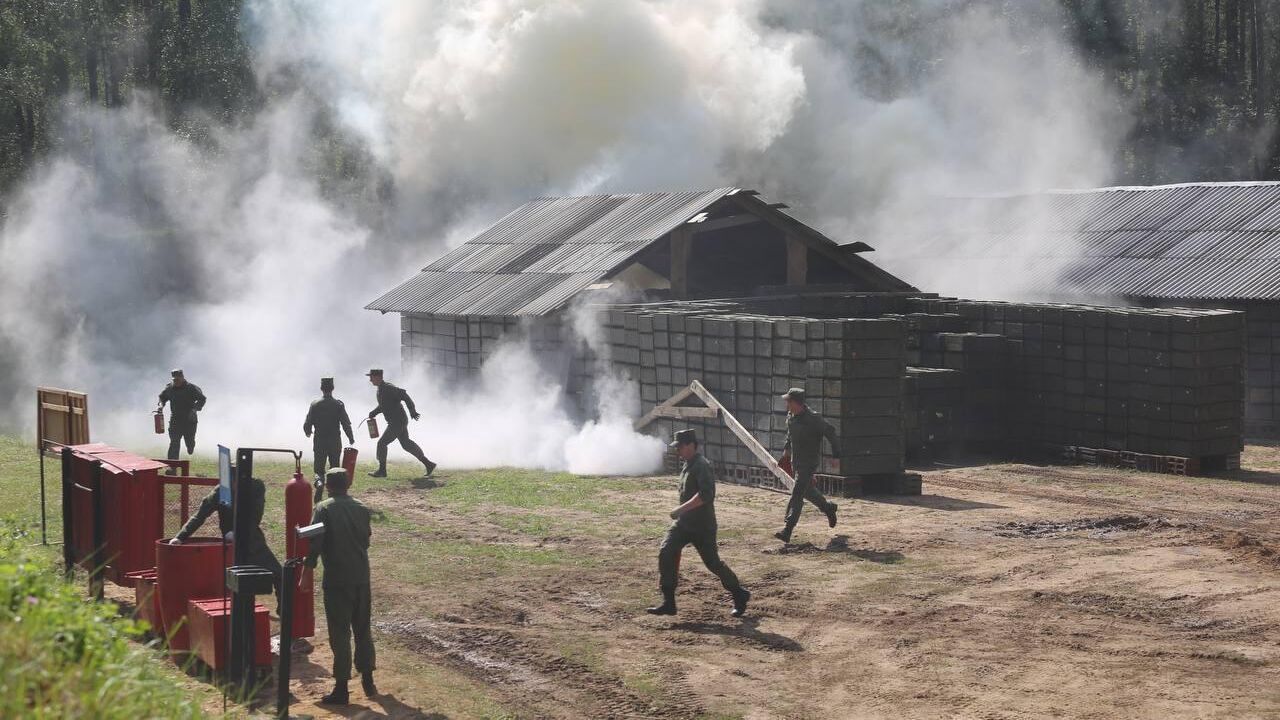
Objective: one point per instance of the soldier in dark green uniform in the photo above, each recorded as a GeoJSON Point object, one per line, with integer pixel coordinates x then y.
{"type": "Point", "coordinates": [805, 430]}
{"type": "Point", "coordinates": [344, 546]}
{"type": "Point", "coordinates": [389, 399]}
{"type": "Point", "coordinates": [695, 524]}
{"type": "Point", "coordinates": [325, 416]}
{"type": "Point", "coordinates": [185, 401]}
{"type": "Point", "coordinates": [259, 553]}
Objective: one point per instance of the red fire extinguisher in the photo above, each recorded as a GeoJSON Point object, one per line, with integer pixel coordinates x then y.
{"type": "Point", "coordinates": [349, 455]}
{"type": "Point", "coordinates": [297, 513]}
{"type": "Point", "coordinates": [373, 427]}
{"type": "Point", "coordinates": [159, 419]}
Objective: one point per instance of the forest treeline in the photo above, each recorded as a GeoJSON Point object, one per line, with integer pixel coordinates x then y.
{"type": "Point", "coordinates": [1196, 74]}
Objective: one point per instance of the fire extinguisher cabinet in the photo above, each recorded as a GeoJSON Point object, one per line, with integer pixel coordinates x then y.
{"type": "Point", "coordinates": [190, 571]}
{"type": "Point", "coordinates": [132, 506]}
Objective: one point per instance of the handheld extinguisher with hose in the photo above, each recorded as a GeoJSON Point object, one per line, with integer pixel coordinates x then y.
{"type": "Point", "coordinates": [158, 417]}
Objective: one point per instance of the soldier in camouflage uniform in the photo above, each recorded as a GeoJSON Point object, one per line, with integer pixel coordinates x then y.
{"type": "Point", "coordinates": [185, 401]}
{"type": "Point", "coordinates": [805, 431]}
{"type": "Point", "coordinates": [344, 546]}
{"type": "Point", "coordinates": [325, 417]}
{"type": "Point", "coordinates": [259, 553]}
{"type": "Point", "coordinates": [695, 524]}
{"type": "Point", "coordinates": [390, 398]}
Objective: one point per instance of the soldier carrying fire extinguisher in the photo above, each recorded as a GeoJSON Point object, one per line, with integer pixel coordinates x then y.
{"type": "Point", "coordinates": [390, 400]}
{"type": "Point", "coordinates": [185, 400]}
{"type": "Point", "coordinates": [324, 417]}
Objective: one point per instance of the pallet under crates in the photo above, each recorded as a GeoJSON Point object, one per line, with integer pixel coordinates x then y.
{"type": "Point", "coordinates": [1163, 464]}
{"type": "Point", "coordinates": [849, 486]}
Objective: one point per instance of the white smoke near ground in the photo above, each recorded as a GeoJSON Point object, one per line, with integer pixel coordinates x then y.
{"type": "Point", "coordinates": [516, 415]}
{"type": "Point", "coordinates": [135, 249]}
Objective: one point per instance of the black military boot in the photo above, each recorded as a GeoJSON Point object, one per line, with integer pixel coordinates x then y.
{"type": "Point", "coordinates": [366, 682]}
{"type": "Point", "coordinates": [784, 534]}
{"type": "Point", "coordinates": [430, 466]}
{"type": "Point", "coordinates": [668, 606]}
{"type": "Point", "coordinates": [380, 472]}
{"type": "Point", "coordinates": [339, 696]}
{"type": "Point", "coordinates": [831, 513]}
{"type": "Point", "coordinates": [740, 598]}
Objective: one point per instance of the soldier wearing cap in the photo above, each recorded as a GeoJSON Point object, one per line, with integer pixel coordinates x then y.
{"type": "Point", "coordinates": [344, 547]}
{"type": "Point", "coordinates": [390, 398]}
{"type": "Point", "coordinates": [325, 417]}
{"type": "Point", "coordinates": [805, 431]}
{"type": "Point", "coordinates": [185, 401]}
{"type": "Point", "coordinates": [695, 524]}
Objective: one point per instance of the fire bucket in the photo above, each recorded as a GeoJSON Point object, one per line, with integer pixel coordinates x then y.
{"type": "Point", "coordinates": [159, 420]}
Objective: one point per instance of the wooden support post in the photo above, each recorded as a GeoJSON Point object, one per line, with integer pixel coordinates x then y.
{"type": "Point", "coordinates": [714, 409]}
{"type": "Point", "coordinates": [743, 434]}
{"type": "Point", "coordinates": [797, 261]}
{"type": "Point", "coordinates": [681, 244]}
{"type": "Point", "coordinates": [658, 409]}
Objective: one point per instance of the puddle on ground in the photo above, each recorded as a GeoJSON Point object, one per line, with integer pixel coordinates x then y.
{"type": "Point", "coordinates": [1097, 527]}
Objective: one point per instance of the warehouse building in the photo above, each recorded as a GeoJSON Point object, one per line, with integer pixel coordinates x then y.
{"type": "Point", "coordinates": [1206, 245]}
{"type": "Point", "coordinates": [724, 288]}
{"type": "Point", "coordinates": [524, 272]}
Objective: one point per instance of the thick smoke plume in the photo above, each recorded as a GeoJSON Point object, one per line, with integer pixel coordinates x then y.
{"type": "Point", "coordinates": [134, 249]}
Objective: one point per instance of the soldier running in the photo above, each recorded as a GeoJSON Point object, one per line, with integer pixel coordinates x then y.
{"type": "Point", "coordinates": [344, 546]}
{"type": "Point", "coordinates": [259, 553]}
{"type": "Point", "coordinates": [805, 430]}
{"type": "Point", "coordinates": [325, 417]}
{"type": "Point", "coordinates": [389, 399]}
{"type": "Point", "coordinates": [185, 401]}
{"type": "Point", "coordinates": [695, 524]}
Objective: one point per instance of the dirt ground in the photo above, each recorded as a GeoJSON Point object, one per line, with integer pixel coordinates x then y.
{"type": "Point", "coordinates": [1005, 591]}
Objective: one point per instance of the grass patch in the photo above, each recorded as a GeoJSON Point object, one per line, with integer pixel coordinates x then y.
{"type": "Point", "coordinates": [61, 656]}
{"type": "Point", "coordinates": [584, 651]}
{"type": "Point", "coordinates": [431, 561]}
{"type": "Point", "coordinates": [646, 685]}
{"type": "Point", "coordinates": [528, 490]}
{"type": "Point", "coordinates": [20, 488]}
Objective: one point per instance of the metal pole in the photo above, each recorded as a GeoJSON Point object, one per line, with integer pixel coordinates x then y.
{"type": "Point", "coordinates": [241, 634]}
{"type": "Point", "coordinates": [68, 551]}
{"type": "Point", "coordinates": [286, 632]}
{"type": "Point", "coordinates": [44, 524]}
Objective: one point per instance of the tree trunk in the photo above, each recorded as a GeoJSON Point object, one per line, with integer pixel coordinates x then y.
{"type": "Point", "coordinates": [24, 123]}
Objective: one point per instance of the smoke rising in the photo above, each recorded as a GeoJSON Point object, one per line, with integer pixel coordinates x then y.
{"type": "Point", "coordinates": [136, 249]}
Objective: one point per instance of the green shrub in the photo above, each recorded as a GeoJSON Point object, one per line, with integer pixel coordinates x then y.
{"type": "Point", "coordinates": [64, 656]}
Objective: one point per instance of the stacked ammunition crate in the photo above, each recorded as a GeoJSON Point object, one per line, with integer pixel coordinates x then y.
{"type": "Point", "coordinates": [1155, 382]}
{"type": "Point", "coordinates": [851, 369]}
{"type": "Point", "coordinates": [992, 377]}
{"type": "Point", "coordinates": [1263, 398]}
{"type": "Point", "coordinates": [934, 412]}
{"type": "Point", "coordinates": [452, 349]}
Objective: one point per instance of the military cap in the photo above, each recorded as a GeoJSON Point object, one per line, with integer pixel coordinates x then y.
{"type": "Point", "coordinates": [684, 437]}
{"type": "Point", "coordinates": [796, 394]}
{"type": "Point", "coordinates": [326, 383]}
{"type": "Point", "coordinates": [176, 372]}
{"type": "Point", "coordinates": [375, 372]}
{"type": "Point", "coordinates": [337, 477]}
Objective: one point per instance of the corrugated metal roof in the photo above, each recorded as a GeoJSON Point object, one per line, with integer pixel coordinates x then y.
{"type": "Point", "coordinates": [1199, 241]}
{"type": "Point", "coordinates": [538, 256]}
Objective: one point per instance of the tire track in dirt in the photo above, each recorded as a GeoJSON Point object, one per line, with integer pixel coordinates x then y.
{"type": "Point", "coordinates": [1259, 521]}
{"type": "Point", "coordinates": [515, 668]}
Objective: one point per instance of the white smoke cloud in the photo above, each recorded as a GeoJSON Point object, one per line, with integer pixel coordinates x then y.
{"type": "Point", "coordinates": [136, 249]}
